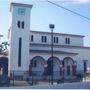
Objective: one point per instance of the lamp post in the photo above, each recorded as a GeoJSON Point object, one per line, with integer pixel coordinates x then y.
{"type": "Point", "coordinates": [51, 26]}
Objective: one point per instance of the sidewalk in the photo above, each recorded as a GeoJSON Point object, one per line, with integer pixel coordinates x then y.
{"type": "Point", "coordinates": [77, 85]}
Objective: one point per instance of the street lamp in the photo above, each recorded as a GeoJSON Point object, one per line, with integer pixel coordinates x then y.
{"type": "Point", "coordinates": [51, 26]}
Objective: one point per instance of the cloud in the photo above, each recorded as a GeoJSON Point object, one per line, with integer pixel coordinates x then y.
{"type": "Point", "coordinates": [66, 2]}
{"type": "Point", "coordinates": [81, 1]}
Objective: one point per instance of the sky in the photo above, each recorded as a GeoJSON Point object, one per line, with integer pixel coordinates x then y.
{"type": "Point", "coordinates": [44, 13]}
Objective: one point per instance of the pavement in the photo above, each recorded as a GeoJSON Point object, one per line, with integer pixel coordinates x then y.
{"type": "Point", "coordinates": [76, 85]}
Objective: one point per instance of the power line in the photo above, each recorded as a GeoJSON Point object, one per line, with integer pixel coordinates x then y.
{"type": "Point", "coordinates": [69, 10]}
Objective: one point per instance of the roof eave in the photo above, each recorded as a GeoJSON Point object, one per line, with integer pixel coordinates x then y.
{"type": "Point", "coordinates": [20, 4]}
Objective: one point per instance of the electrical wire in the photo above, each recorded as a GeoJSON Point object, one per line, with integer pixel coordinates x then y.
{"type": "Point", "coordinates": [68, 10]}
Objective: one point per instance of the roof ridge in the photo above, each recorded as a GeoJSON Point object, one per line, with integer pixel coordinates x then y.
{"type": "Point", "coordinates": [58, 33]}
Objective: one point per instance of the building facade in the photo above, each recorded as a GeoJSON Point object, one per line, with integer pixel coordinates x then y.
{"type": "Point", "coordinates": [31, 50]}
{"type": "Point", "coordinates": [69, 53]}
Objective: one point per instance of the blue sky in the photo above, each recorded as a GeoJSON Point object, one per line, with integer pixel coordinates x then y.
{"type": "Point", "coordinates": [44, 13]}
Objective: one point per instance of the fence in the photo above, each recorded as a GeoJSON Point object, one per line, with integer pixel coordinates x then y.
{"type": "Point", "coordinates": [39, 77]}
{"type": "Point", "coordinates": [22, 78]}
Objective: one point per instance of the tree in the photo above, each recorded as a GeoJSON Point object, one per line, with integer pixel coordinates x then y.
{"type": "Point", "coordinates": [3, 46]}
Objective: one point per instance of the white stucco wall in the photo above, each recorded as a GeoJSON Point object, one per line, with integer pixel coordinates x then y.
{"type": "Point", "coordinates": [83, 54]}
{"type": "Point", "coordinates": [16, 33]}
{"type": "Point", "coordinates": [74, 40]}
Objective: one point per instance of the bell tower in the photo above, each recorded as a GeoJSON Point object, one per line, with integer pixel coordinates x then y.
{"type": "Point", "coordinates": [19, 40]}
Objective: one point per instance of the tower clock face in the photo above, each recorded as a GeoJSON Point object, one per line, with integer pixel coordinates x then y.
{"type": "Point", "coordinates": [21, 11]}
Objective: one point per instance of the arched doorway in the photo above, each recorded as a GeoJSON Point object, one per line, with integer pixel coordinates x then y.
{"type": "Point", "coordinates": [3, 65]}
{"type": "Point", "coordinates": [37, 64]}
{"type": "Point", "coordinates": [57, 72]}
{"type": "Point", "coordinates": [68, 62]}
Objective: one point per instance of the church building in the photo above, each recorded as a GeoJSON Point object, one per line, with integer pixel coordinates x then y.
{"type": "Point", "coordinates": [31, 50]}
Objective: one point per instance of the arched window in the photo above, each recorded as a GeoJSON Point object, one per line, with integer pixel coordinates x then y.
{"type": "Point", "coordinates": [18, 24]}
{"type": "Point", "coordinates": [67, 40]}
{"type": "Point", "coordinates": [36, 61]}
{"type": "Point", "coordinates": [22, 24]}
{"type": "Point", "coordinates": [44, 39]}
{"type": "Point", "coordinates": [67, 63]}
{"type": "Point", "coordinates": [31, 38]}
{"type": "Point", "coordinates": [56, 40]}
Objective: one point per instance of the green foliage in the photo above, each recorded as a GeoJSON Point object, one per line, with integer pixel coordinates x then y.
{"type": "Point", "coordinates": [3, 46]}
